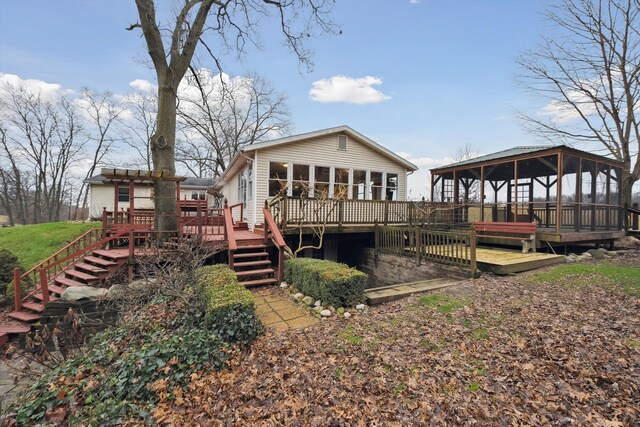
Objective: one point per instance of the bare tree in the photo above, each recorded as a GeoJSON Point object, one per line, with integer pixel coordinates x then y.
{"type": "Point", "coordinates": [590, 74]}
{"type": "Point", "coordinates": [46, 137]}
{"type": "Point", "coordinates": [235, 23]}
{"type": "Point", "coordinates": [143, 109]}
{"type": "Point", "coordinates": [221, 115]}
{"type": "Point", "coordinates": [15, 190]}
{"type": "Point", "coordinates": [101, 114]}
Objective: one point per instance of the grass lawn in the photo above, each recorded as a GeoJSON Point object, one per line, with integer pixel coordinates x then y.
{"type": "Point", "coordinates": [624, 278]}
{"type": "Point", "coordinates": [34, 243]}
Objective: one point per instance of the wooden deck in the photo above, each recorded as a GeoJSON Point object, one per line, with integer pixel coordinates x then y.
{"type": "Point", "coordinates": [505, 261]}
{"type": "Point", "coordinates": [393, 292]}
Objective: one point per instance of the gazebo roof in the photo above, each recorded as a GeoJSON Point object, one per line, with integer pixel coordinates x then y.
{"type": "Point", "coordinates": [521, 152]}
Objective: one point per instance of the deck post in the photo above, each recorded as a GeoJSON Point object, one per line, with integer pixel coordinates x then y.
{"type": "Point", "coordinates": [115, 201]}
{"type": "Point", "coordinates": [17, 294]}
{"type": "Point", "coordinates": [131, 202]}
{"type": "Point", "coordinates": [472, 252]}
{"type": "Point", "coordinates": [280, 262]}
{"type": "Point", "coordinates": [418, 244]}
{"type": "Point", "coordinates": [43, 285]}
{"type": "Point", "coordinates": [199, 213]}
{"type": "Point", "coordinates": [376, 235]}
{"type": "Point", "coordinates": [386, 212]}
{"type": "Point", "coordinates": [104, 222]}
{"type": "Point", "coordinates": [340, 213]}
{"type": "Point", "coordinates": [285, 205]}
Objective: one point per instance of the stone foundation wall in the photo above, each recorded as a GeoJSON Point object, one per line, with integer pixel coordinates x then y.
{"type": "Point", "coordinates": [387, 269]}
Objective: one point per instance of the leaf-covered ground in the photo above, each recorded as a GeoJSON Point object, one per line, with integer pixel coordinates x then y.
{"type": "Point", "coordinates": [495, 351]}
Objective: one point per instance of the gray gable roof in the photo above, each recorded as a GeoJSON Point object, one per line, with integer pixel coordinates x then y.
{"type": "Point", "coordinates": [515, 151]}
{"type": "Point", "coordinates": [189, 182]}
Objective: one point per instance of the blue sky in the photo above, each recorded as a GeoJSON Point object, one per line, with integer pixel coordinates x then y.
{"type": "Point", "coordinates": [445, 69]}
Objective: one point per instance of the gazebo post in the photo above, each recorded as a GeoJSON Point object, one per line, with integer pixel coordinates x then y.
{"type": "Point", "coordinates": [594, 177]}
{"type": "Point", "coordinates": [577, 210]}
{"type": "Point", "coordinates": [559, 194]}
{"type": "Point", "coordinates": [115, 202]}
{"type": "Point", "coordinates": [515, 183]}
{"type": "Point", "coordinates": [482, 193]}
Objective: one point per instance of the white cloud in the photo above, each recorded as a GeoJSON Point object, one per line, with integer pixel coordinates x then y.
{"type": "Point", "coordinates": [47, 91]}
{"type": "Point", "coordinates": [414, 1]}
{"type": "Point", "coordinates": [143, 85]}
{"type": "Point", "coordinates": [419, 182]}
{"type": "Point", "coordinates": [348, 90]}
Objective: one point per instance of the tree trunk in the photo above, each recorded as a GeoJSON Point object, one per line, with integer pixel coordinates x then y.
{"type": "Point", "coordinates": [626, 193]}
{"type": "Point", "coordinates": [163, 160]}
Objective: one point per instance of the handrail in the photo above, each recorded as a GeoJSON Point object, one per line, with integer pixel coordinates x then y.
{"type": "Point", "coordinates": [276, 236]}
{"type": "Point", "coordinates": [241, 205]}
{"type": "Point", "coordinates": [228, 229]}
{"type": "Point", "coordinates": [65, 248]}
{"type": "Point", "coordinates": [270, 224]}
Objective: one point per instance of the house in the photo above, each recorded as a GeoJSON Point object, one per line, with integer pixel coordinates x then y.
{"type": "Point", "coordinates": [102, 192]}
{"type": "Point", "coordinates": [327, 161]}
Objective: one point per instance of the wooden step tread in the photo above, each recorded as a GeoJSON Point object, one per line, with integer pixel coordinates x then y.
{"type": "Point", "coordinates": [35, 306]}
{"type": "Point", "coordinates": [91, 268]}
{"type": "Point", "coordinates": [39, 297]}
{"type": "Point", "coordinates": [110, 254]}
{"type": "Point", "coordinates": [254, 272]}
{"type": "Point", "coordinates": [100, 261]}
{"type": "Point", "coordinates": [250, 255]}
{"type": "Point", "coordinates": [54, 289]}
{"type": "Point", "coordinates": [14, 329]}
{"type": "Point", "coordinates": [67, 282]}
{"type": "Point", "coordinates": [251, 263]}
{"type": "Point", "coordinates": [259, 282]}
{"type": "Point", "coordinates": [241, 246]}
{"type": "Point", "coordinates": [25, 316]}
{"type": "Point", "coordinates": [80, 275]}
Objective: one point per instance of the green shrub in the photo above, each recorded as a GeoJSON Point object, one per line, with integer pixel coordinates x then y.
{"type": "Point", "coordinates": [114, 378]}
{"type": "Point", "coordinates": [333, 283]}
{"type": "Point", "coordinates": [230, 306]}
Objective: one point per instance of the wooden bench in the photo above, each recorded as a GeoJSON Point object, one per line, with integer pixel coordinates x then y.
{"type": "Point", "coordinates": [528, 229]}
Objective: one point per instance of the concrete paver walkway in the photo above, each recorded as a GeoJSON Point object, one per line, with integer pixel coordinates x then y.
{"type": "Point", "coordinates": [276, 310]}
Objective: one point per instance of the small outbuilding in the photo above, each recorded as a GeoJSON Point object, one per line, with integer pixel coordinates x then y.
{"type": "Point", "coordinates": [572, 196]}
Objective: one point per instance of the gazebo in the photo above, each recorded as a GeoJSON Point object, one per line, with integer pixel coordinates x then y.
{"type": "Point", "coordinates": [573, 196]}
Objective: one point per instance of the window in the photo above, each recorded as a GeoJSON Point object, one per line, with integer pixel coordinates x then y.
{"type": "Point", "coordinates": [359, 185]}
{"type": "Point", "coordinates": [323, 178]}
{"type": "Point", "coordinates": [300, 181]}
{"type": "Point", "coordinates": [123, 194]}
{"type": "Point", "coordinates": [376, 186]}
{"type": "Point", "coordinates": [340, 183]}
{"type": "Point", "coordinates": [198, 195]}
{"type": "Point", "coordinates": [277, 177]}
{"type": "Point", "coordinates": [245, 185]}
{"type": "Point", "coordinates": [342, 142]}
{"type": "Point", "coordinates": [392, 186]}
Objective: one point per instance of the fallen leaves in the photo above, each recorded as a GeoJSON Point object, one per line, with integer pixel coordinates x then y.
{"type": "Point", "coordinates": [554, 355]}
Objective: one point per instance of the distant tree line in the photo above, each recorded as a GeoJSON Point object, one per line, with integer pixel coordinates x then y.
{"type": "Point", "coordinates": [50, 144]}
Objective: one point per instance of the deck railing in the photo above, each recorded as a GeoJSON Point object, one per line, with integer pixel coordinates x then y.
{"type": "Point", "coordinates": [43, 273]}
{"type": "Point", "coordinates": [456, 248]}
{"type": "Point", "coordinates": [289, 211]}
{"type": "Point", "coordinates": [271, 231]}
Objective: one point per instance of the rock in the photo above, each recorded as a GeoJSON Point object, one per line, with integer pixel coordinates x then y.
{"type": "Point", "coordinates": [116, 290]}
{"type": "Point", "coordinates": [569, 259]}
{"type": "Point", "coordinates": [597, 253]}
{"type": "Point", "coordinates": [318, 303]}
{"type": "Point", "coordinates": [284, 285]}
{"type": "Point", "coordinates": [586, 255]}
{"type": "Point", "coordinates": [141, 284]}
{"type": "Point", "coordinates": [360, 307]}
{"type": "Point", "coordinates": [340, 311]}
{"type": "Point", "coordinates": [346, 314]}
{"type": "Point", "coordinates": [75, 293]}
{"type": "Point", "coordinates": [325, 313]}
{"type": "Point", "coordinates": [298, 296]}
{"type": "Point", "coordinates": [318, 309]}
{"type": "Point", "coordinates": [308, 300]}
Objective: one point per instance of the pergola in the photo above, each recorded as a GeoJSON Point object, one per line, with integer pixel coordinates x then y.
{"type": "Point", "coordinates": [572, 195]}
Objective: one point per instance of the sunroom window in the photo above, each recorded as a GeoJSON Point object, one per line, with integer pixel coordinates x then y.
{"type": "Point", "coordinates": [277, 177]}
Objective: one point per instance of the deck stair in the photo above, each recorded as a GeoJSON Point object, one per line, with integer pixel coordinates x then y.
{"type": "Point", "coordinates": [252, 265]}
{"type": "Point", "coordinates": [90, 270]}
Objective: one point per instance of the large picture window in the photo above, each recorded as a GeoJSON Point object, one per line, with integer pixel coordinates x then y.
{"type": "Point", "coordinates": [277, 177]}
{"type": "Point", "coordinates": [340, 183]}
{"type": "Point", "coordinates": [322, 181]}
{"type": "Point", "coordinates": [359, 184]}
{"type": "Point", "coordinates": [300, 182]}
{"type": "Point", "coordinates": [392, 186]}
{"type": "Point", "coordinates": [376, 186]}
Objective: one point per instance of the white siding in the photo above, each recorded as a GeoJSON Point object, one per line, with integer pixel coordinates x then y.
{"type": "Point", "coordinates": [323, 151]}
{"type": "Point", "coordinates": [102, 195]}
{"type": "Point", "coordinates": [230, 192]}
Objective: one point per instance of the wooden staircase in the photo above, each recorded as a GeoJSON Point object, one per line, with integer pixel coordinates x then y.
{"type": "Point", "coordinates": [252, 265]}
